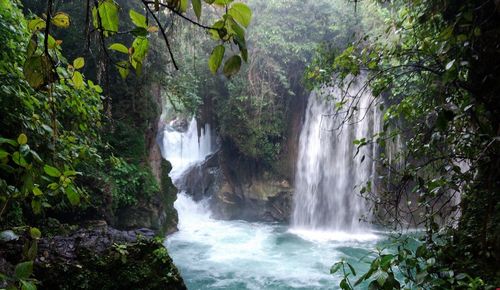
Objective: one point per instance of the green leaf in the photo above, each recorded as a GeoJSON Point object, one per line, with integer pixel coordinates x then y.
{"type": "Point", "coordinates": [123, 68]}
{"type": "Point", "coordinates": [106, 16]}
{"type": "Point", "coordinates": [71, 173]}
{"type": "Point", "coordinates": [35, 233]}
{"type": "Point", "coordinates": [138, 19]}
{"type": "Point", "coordinates": [37, 191]}
{"type": "Point", "coordinates": [24, 270]}
{"type": "Point", "coordinates": [140, 47]}
{"type": "Point", "coordinates": [77, 80]}
{"type": "Point", "coordinates": [3, 154]}
{"type": "Point", "coordinates": [19, 159]}
{"type": "Point", "coordinates": [232, 66]}
{"type": "Point", "coordinates": [344, 285]}
{"type": "Point", "coordinates": [381, 277]}
{"type": "Point", "coordinates": [36, 24]}
{"type": "Point", "coordinates": [241, 13]}
{"type": "Point", "coordinates": [33, 249]}
{"type": "Point", "coordinates": [385, 261]}
{"type": "Point", "coordinates": [72, 195]}
{"type": "Point", "coordinates": [335, 268]}
{"type": "Point", "coordinates": [22, 139]}
{"type": "Point", "coordinates": [216, 57]}
{"type": "Point", "coordinates": [51, 171]}
{"type": "Point", "coordinates": [79, 62]}
{"type": "Point", "coordinates": [352, 269]}
{"type": "Point", "coordinates": [221, 2]}
{"type": "Point", "coordinates": [36, 206]}
{"type": "Point", "coordinates": [61, 19]}
{"type": "Point", "coordinates": [183, 4]}
{"type": "Point", "coordinates": [197, 8]}
{"type": "Point", "coordinates": [119, 47]}
{"type": "Point", "coordinates": [38, 71]}
{"type": "Point", "coordinates": [27, 285]}
{"type": "Point", "coordinates": [8, 141]}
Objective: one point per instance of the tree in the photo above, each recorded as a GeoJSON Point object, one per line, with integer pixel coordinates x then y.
{"type": "Point", "coordinates": [436, 72]}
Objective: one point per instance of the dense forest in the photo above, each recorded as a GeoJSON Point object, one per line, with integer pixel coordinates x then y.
{"type": "Point", "coordinates": [253, 144]}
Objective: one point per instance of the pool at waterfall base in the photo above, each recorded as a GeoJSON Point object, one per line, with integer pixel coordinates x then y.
{"type": "Point", "coordinates": [216, 254]}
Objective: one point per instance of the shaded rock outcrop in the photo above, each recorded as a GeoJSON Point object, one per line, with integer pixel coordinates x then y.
{"type": "Point", "coordinates": [98, 257]}
{"type": "Point", "coordinates": [156, 212]}
{"type": "Point", "coordinates": [240, 196]}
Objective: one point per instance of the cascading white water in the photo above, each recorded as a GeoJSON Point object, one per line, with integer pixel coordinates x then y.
{"type": "Point", "coordinates": [218, 254]}
{"type": "Point", "coordinates": [329, 172]}
{"type": "Point", "coordinates": [184, 149]}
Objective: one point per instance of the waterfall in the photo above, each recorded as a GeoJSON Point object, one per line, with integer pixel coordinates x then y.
{"type": "Point", "coordinates": [183, 149]}
{"type": "Point", "coordinates": [329, 172]}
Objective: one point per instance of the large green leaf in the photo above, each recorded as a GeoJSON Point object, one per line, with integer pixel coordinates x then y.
{"type": "Point", "coordinates": [24, 270]}
{"type": "Point", "coordinates": [51, 171]}
{"type": "Point", "coordinates": [216, 57]}
{"type": "Point", "coordinates": [107, 18]}
{"type": "Point", "coordinates": [38, 71]}
{"type": "Point", "coordinates": [138, 19]}
{"type": "Point", "coordinates": [241, 13]}
{"type": "Point", "coordinates": [232, 66]}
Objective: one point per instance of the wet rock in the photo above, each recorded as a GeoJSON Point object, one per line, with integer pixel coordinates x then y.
{"type": "Point", "coordinates": [98, 257]}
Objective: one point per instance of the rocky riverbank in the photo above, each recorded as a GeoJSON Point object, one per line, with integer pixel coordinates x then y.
{"type": "Point", "coordinates": [96, 257]}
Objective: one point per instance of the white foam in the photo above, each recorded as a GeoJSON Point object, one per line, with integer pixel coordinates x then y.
{"type": "Point", "coordinates": [339, 236]}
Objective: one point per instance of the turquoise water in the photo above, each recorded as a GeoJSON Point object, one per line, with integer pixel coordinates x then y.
{"type": "Point", "coordinates": [214, 254]}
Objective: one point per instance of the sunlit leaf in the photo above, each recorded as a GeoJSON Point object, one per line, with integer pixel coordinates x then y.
{"type": "Point", "coordinates": [22, 139]}
{"type": "Point", "coordinates": [77, 80]}
{"type": "Point", "coordinates": [138, 19]}
{"type": "Point", "coordinates": [119, 47]}
{"type": "Point", "coordinates": [140, 47]}
{"type": "Point", "coordinates": [79, 62]}
{"type": "Point", "coordinates": [61, 19]}
{"type": "Point", "coordinates": [35, 233]}
{"type": "Point", "coordinates": [36, 24]}
{"type": "Point", "coordinates": [37, 191]}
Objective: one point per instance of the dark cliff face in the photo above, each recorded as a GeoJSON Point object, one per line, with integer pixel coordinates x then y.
{"type": "Point", "coordinates": [156, 212]}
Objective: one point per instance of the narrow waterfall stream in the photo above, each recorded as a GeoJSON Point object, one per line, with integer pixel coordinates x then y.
{"type": "Point", "coordinates": [217, 254]}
